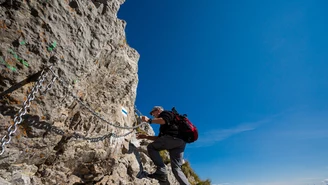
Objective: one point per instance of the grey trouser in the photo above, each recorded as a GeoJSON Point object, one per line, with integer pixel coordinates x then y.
{"type": "Point", "coordinates": [175, 147]}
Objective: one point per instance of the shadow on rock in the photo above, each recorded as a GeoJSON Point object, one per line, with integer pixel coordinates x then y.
{"type": "Point", "coordinates": [142, 173]}
{"type": "Point", "coordinates": [133, 149]}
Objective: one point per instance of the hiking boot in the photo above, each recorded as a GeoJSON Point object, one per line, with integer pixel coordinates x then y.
{"type": "Point", "coordinates": [160, 177]}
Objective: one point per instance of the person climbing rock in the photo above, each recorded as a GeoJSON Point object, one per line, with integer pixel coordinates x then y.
{"type": "Point", "coordinates": [166, 140]}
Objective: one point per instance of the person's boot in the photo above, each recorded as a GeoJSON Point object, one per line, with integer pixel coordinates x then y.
{"type": "Point", "coordinates": [160, 177]}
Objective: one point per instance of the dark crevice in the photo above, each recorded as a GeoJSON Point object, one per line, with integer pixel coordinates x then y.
{"type": "Point", "coordinates": [60, 147]}
{"type": "Point", "coordinates": [73, 4]}
{"type": "Point", "coordinates": [32, 78]}
{"type": "Point", "coordinates": [34, 12]}
{"type": "Point", "coordinates": [11, 4]}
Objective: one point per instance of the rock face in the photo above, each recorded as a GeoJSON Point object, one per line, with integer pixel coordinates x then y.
{"type": "Point", "coordinates": [90, 75]}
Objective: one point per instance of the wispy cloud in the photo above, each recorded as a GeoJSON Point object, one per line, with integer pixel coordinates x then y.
{"type": "Point", "coordinates": [303, 125]}
{"type": "Point", "coordinates": [301, 181]}
{"type": "Point", "coordinates": [277, 44]}
{"type": "Point", "coordinates": [211, 137]}
{"type": "Point", "coordinates": [325, 181]}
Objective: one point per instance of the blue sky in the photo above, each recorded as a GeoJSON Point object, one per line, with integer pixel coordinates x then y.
{"type": "Point", "coordinates": [251, 75]}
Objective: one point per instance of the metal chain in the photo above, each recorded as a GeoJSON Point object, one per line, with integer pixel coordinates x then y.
{"type": "Point", "coordinates": [38, 86]}
{"type": "Point", "coordinates": [49, 86]}
{"type": "Point", "coordinates": [64, 84]}
{"type": "Point", "coordinates": [45, 126]}
{"type": "Point", "coordinates": [123, 135]}
{"type": "Point", "coordinates": [137, 111]}
{"type": "Point", "coordinates": [49, 127]}
{"type": "Point", "coordinates": [18, 118]}
{"type": "Point", "coordinates": [101, 138]}
{"type": "Point", "coordinates": [137, 115]}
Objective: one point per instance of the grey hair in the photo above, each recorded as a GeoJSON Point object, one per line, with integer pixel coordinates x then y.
{"type": "Point", "coordinates": [158, 107]}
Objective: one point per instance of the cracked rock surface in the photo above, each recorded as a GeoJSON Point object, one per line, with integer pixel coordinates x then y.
{"type": "Point", "coordinates": [85, 44]}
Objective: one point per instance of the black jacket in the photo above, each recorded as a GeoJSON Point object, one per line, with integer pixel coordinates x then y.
{"type": "Point", "coordinates": [169, 128]}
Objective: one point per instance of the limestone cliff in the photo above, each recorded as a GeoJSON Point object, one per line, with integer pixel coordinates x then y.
{"type": "Point", "coordinates": [71, 56]}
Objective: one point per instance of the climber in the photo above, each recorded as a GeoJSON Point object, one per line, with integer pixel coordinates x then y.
{"type": "Point", "coordinates": [166, 140]}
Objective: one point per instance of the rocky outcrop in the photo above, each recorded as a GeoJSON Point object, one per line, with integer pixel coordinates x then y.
{"type": "Point", "coordinates": [68, 133]}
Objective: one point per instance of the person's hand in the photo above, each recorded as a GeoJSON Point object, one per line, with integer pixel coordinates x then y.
{"type": "Point", "coordinates": [144, 118]}
{"type": "Point", "coordinates": [142, 136]}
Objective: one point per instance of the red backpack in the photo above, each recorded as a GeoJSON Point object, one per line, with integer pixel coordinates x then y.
{"type": "Point", "coordinates": [187, 131]}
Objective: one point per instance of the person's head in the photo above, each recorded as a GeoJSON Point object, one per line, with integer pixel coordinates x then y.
{"type": "Point", "coordinates": [156, 111]}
